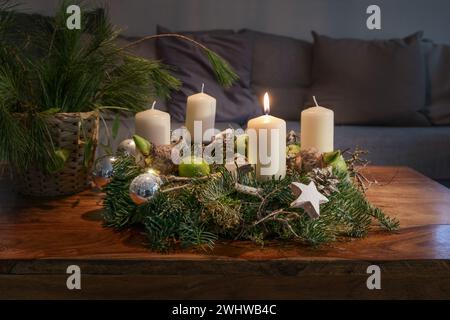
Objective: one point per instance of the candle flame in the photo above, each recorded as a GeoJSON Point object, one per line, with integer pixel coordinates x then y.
{"type": "Point", "coordinates": [266, 103]}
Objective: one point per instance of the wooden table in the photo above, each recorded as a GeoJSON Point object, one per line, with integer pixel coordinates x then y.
{"type": "Point", "coordinates": [40, 239]}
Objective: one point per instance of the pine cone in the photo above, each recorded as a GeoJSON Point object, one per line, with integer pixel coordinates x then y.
{"type": "Point", "coordinates": [325, 180]}
{"type": "Point", "coordinates": [162, 161]}
{"type": "Point", "coordinates": [311, 159]}
{"type": "Point", "coordinates": [294, 162]}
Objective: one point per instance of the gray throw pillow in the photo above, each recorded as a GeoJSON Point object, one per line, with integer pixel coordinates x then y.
{"type": "Point", "coordinates": [438, 68]}
{"type": "Point", "coordinates": [235, 104]}
{"type": "Point", "coordinates": [377, 82]}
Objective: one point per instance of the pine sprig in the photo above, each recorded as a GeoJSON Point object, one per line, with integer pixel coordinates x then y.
{"type": "Point", "coordinates": [225, 74]}
{"type": "Point", "coordinates": [223, 71]}
{"type": "Point", "coordinates": [119, 208]}
{"type": "Point", "coordinates": [13, 143]}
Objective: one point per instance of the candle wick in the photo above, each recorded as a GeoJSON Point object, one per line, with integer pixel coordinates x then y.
{"type": "Point", "coordinates": [153, 105]}
{"type": "Point", "coordinates": [315, 101]}
{"type": "Point", "coordinates": [203, 87]}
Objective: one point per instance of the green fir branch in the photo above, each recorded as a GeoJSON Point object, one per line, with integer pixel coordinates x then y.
{"type": "Point", "coordinates": [119, 208]}
{"type": "Point", "coordinates": [209, 209]}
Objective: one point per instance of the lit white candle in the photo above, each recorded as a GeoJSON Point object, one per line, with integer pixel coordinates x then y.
{"type": "Point", "coordinates": [153, 125]}
{"type": "Point", "coordinates": [317, 128]}
{"type": "Point", "coordinates": [200, 107]}
{"type": "Point", "coordinates": [267, 144]}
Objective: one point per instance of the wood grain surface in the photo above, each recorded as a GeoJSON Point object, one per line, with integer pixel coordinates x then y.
{"type": "Point", "coordinates": [39, 238]}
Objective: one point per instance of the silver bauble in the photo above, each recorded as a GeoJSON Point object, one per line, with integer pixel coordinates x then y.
{"type": "Point", "coordinates": [144, 187]}
{"type": "Point", "coordinates": [127, 147]}
{"type": "Point", "coordinates": [103, 170]}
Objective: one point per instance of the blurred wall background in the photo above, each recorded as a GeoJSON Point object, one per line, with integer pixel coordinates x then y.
{"type": "Point", "coordinates": [296, 18]}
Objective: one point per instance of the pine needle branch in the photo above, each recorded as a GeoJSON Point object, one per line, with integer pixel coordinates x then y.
{"type": "Point", "coordinates": [224, 72]}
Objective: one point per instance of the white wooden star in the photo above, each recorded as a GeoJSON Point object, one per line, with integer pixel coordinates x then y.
{"type": "Point", "coordinates": [308, 198]}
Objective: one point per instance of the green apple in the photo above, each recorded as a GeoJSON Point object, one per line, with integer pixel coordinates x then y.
{"type": "Point", "coordinates": [193, 167]}
{"type": "Point", "coordinates": [336, 160]}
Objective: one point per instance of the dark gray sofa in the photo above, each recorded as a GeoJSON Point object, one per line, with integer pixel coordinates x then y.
{"type": "Point", "coordinates": [425, 148]}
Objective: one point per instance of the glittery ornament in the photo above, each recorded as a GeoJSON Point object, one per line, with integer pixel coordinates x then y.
{"type": "Point", "coordinates": [103, 171]}
{"type": "Point", "coordinates": [144, 187]}
{"type": "Point", "coordinates": [127, 147]}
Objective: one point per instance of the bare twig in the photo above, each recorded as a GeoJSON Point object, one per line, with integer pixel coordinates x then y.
{"type": "Point", "coordinates": [164, 35]}
{"type": "Point", "coordinates": [181, 179]}
{"type": "Point", "coordinates": [183, 186]}
{"type": "Point", "coordinates": [264, 200]}
{"type": "Point", "coordinates": [288, 226]}
{"type": "Point", "coordinates": [273, 214]}
{"type": "Point", "coordinates": [355, 164]}
{"type": "Point", "coordinates": [249, 190]}
{"type": "Point", "coordinates": [270, 215]}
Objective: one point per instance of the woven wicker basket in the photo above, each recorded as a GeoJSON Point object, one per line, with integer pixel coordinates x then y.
{"type": "Point", "coordinates": [69, 131]}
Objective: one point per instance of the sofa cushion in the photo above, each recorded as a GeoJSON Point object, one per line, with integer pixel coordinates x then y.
{"type": "Point", "coordinates": [378, 82]}
{"type": "Point", "coordinates": [235, 104]}
{"type": "Point", "coordinates": [280, 61]}
{"type": "Point", "coordinates": [285, 102]}
{"type": "Point", "coordinates": [438, 77]}
{"type": "Point", "coordinates": [281, 66]}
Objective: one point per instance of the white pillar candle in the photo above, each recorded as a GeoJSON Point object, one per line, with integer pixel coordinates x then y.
{"type": "Point", "coordinates": [200, 107]}
{"type": "Point", "coordinates": [317, 128]}
{"type": "Point", "coordinates": [267, 144]}
{"type": "Point", "coordinates": [153, 125]}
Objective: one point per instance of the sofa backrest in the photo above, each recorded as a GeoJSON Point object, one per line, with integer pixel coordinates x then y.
{"type": "Point", "coordinates": [282, 67]}
{"type": "Point", "coordinates": [438, 82]}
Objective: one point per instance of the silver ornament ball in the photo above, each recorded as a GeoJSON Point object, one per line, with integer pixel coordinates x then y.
{"type": "Point", "coordinates": [144, 187]}
{"type": "Point", "coordinates": [103, 171]}
{"type": "Point", "coordinates": [127, 147]}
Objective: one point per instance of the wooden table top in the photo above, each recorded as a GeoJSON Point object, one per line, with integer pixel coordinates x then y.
{"type": "Point", "coordinates": [71, 228]}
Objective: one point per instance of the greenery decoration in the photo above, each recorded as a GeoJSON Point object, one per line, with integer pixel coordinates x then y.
{"type": "Point", "coordinates": [197, 211]}
{"type": "Point", "coordinates": [223, 71]}
{"type": "Point", "coordinates": [52, 69]}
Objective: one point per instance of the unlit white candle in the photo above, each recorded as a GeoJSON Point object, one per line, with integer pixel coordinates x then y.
{"type": "Point", "coordinates": [153, 125]}
{"type": "Point", "coordinates": [200, 107]}
{"type": "Point", "coordinates": [317, 128]}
